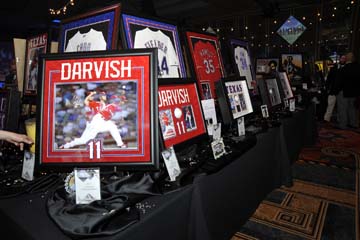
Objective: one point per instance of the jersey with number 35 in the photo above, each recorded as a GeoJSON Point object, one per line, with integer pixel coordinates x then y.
{"type": "Point", "coordinates": [207, 63]}
{"type": "Point", "coordinates": [168, 61]}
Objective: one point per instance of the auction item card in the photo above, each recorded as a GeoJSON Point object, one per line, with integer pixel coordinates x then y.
{"type": "Point", "coordinates": [264, 111]}
{"type": "Point", "coordinates": [171, 163]}
{"type": "Point", "coordinates": [208, 107]}
{"type": "Point", "coordinates": [87, 185]}
{"type": "Point", "coordinates": [28, 166]}
{"type": "Point", "coordinates": [218, 148]}
{"type": "Point", "coordinates": [241, 126]}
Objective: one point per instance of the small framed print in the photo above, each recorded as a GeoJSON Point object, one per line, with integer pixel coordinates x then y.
{"type": "Point", "coordinates": [98, 108]}
{"type": "Point", "coordinates": [242, 60]}
{"type": "Point", "coordinates": [292, 64]}
{"type": "Point", "coordinates": [147, 33]}
{"type": "Point", "coordinates": [207, 61]}
{"type": "Point", "coordinates": [92, 31]}
{"type": "Point", "coordinates": [284, 80]}
{"type": "Point", "coordinates": [34, 47]}
{"type": "Point", "coordinates": [180, 115]}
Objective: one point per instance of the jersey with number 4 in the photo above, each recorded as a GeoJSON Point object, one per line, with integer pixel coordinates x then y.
{"type": "Point", "coordinates": [168, 62]}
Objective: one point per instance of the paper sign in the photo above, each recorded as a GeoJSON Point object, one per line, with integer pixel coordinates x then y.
{"type": "Point", "coordinates": [304, 86]}
{"type": "Point", "coordinates": [87, 185]}
{"type": "Point", "coordinates": [292, 105]}
{"type": "Point", "coordinates": [216, 131]}
{"type": "Point", "coordinates": [264, 111]}
{"type": "Point", "coordinates": [241, 126]}
{"type": "Point", "coordinates": [171, 163]}
{"type": "Point", "coordinates": [286, 103]}
{"type": "Point", "coordinates": [208, 107]}
{"type": "Point", "coordinates": [218, 148]}
{"type": "Point", "coordinates": [28, 166]}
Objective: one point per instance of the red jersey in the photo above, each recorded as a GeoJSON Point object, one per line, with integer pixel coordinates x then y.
{"type": "Point", "coordinates": [108, 111]}
{"type": "Point", "coordinates": [207, 62]}
{"type": "Point", "coordinates": [95, 106]}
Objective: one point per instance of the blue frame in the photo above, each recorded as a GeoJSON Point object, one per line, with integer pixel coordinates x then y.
{"type": "Point", "coordinates": [110, 14]}
{"type": "Point", "coordinates": [129, 20]}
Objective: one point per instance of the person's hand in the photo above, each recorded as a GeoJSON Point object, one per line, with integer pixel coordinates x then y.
{"type": "Point", "coordinates": [16, 138]}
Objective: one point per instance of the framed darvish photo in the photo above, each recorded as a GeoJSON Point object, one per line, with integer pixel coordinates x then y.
{"type": "Point", "coordinates": [180, 115]}
{"type": "Point", "coordinates": [240, 52]}
{"type": "Point", "coordinates": [34, 47]}
{"type": "Point", "coordinates": [206, 57]}
{"type": "Point", "coordinates": [92, 31]}
{"type": "Point", "coordinates": [147, 33]}
{"type": "Point", "coordinates": [98, 108]}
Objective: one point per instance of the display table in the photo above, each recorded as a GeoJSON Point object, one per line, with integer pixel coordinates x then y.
{"type": "Point", "coordinates": [213, 207]}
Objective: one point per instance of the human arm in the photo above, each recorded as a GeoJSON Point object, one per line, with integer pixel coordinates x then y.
{"type": "Point", "coordinates": [15, 138]}
{"type": "Point", "coordinates": [89, 98]}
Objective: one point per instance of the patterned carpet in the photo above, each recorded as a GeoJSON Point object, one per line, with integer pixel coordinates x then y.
{"type": "Point", "coordinates": [323, 203]}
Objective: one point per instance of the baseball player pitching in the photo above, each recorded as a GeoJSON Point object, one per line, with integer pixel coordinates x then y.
{"type": "Point", "coordinates": [100, 122]}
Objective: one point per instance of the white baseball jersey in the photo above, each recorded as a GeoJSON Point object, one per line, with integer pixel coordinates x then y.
{"type": "Point", "coordinates": [168, 61]}
{"type": "Point", "coordinates": [243, 63]}
{"type": "Point", "coordinates": [90, 41]}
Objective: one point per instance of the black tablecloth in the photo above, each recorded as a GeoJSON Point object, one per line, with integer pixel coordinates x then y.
{"type": "Point", "coordinates": [213, 207]}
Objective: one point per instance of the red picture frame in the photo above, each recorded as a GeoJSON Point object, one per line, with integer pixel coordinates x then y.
{"type": "Point", "coordinates": [98, 108]}
{"type": "Point", "coordinates": [180, 115]}
{"type": "Point", "coordinates": [207, 61]}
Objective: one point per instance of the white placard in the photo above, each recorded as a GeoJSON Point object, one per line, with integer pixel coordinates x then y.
{"type": "Point", "coordinates": [264, 111]}
{"type": "Point", "coordinates": [87, 185]}
{"type": "Point", "coordinates": [208, 107]}
{"type": "Point", "coordinates": [286, 102]}
{"type": "Point", "coordinates": [304, 86]}
{"type": "Point", "coordinates": [28, 166]}
{"type": "Point", "coordinates": [218, 148]}
{"type": "Point", "coordinates": [171, 163]}
{"type": "Point", "coordinates": [241, 126]}
{"type": "Point", "coordinates": [292, 105]}
{"type": "Point", "coordinates": [216, 131]}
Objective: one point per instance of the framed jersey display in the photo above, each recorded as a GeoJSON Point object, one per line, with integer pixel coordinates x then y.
{"type": "Point", "coordinates": [180, 115]}
{"type": "Point", "coordinates": [285, 84]}
{"type": "Point", "coordinates": [92, 31]}
{"type": "Point", "coordinates": [98, 108]}
{"type": "Point", "coordinates": [292, 64]}
{"type": "Point", "coordinates": [242, 60]}
{"type": "Point", "coordinates": [266, 65]}
{"type": "Point", "coordinates": [234, 99]}
{"type": "Point", "coordinates": [146, 33]}
{"type": "Point", "coordinates": [34, 47]}
{"type": "Point", "coordinates": [206, 57]}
